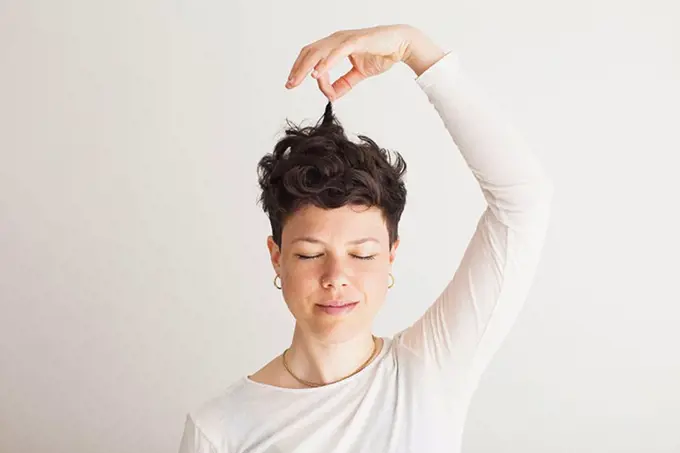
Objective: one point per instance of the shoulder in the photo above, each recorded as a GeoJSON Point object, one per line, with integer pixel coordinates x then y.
{"type": "Point", "coordinates": [207, 423]}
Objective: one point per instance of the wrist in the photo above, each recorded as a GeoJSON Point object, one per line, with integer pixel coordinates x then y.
{"type": "Point", "coordinates": [421, 52]}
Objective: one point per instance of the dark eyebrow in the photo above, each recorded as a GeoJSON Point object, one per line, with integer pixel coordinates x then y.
{"type": "Point", "coordinates": [318, 241]}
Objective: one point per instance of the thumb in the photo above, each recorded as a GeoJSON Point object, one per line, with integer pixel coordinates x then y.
{"type": "Point", "coordinates": [347, 82]}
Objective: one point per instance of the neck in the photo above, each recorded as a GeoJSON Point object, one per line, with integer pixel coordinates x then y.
{"type": "Point", "coordinates": [320, 361]}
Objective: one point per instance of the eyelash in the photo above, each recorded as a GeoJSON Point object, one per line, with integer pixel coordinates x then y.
{"type": "Point", "coordinates": [305, 257]}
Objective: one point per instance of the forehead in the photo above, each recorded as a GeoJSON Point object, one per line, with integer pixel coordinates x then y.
{"type": "Point", "coordinates": [345, 223]}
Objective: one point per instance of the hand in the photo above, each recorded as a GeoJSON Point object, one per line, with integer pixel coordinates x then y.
{"type": "Point", "coordinates": [371, 51]}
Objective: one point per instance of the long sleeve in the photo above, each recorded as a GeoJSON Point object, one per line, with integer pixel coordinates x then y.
{"type": "Point", "coordinates": [467, 323]}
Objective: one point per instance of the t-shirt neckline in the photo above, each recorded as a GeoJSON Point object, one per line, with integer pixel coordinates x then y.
{"type": "Point", "coordinates": [387, 343]}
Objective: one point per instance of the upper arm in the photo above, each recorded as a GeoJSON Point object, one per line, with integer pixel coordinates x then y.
{"type": "Point", "coordinates": [467, 323]}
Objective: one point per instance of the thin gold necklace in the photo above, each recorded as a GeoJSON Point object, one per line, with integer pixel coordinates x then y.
{"type": "Point", "coordinates": [315, 384]}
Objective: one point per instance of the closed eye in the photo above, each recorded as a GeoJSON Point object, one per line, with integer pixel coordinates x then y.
{"type": "Point", "coordinates": [305, 257]}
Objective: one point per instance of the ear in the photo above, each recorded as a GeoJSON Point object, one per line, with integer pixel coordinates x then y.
{"type": "Point", "coordinates": [275, 254]}
{"type": "Point", "coordinates": [393, 252]}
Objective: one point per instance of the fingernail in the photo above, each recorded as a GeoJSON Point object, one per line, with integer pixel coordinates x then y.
{"type": "Point", "coordinates": [315, 73]}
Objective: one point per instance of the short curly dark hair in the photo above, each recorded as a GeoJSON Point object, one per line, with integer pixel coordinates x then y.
{"type": "Point", "coordinates": [321, 166]}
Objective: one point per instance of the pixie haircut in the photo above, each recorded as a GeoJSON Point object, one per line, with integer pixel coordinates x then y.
{"type": "Point", "coordinates": [319, 165]}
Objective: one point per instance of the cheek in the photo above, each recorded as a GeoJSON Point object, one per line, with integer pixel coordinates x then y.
{"type": "Point", "coordinates": [299, 281]}
{"type": "Point", "coordinates": [371, 278]}
{"type": "Point", "coordinates": [296, 272]}
{"type": "Point", "coordinates": [375, 281]}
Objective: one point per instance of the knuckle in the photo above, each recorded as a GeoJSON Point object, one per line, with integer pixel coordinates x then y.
{"type": "Point", "coordinates": [313, 50]}
{"type": "Point", "coordinates": [351, 42]}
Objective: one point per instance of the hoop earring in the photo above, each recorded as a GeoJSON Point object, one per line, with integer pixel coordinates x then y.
{"type": "Point", "coordinates": [391, 284]}
{"type": "Point", "coordinates": [279, 287]}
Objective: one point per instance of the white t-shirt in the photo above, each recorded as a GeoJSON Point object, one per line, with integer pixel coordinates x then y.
{"type": "Point", "coordinates": [414, 396]}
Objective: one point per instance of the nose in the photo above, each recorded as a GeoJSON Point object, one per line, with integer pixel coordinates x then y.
{"type": "Point", "coordinates": [334, 275]}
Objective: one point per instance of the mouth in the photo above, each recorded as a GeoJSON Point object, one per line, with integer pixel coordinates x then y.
{"type": "Point", "coordinates": [337, 307]}
{"type": "Point", "coordinates": [337, 303]}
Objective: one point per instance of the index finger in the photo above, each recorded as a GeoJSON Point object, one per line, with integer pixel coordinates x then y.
{"type": "Point", "coordinates": [334, 56]}
{"type": "Point", "coordinates": [326, 88]}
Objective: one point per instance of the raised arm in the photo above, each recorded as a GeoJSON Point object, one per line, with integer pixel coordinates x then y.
{"type": "Point", "coordinates": [466, 324]}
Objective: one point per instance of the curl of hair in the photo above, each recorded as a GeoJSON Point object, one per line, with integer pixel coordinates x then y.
{"type": "Point", "coordinates": [321, 166]}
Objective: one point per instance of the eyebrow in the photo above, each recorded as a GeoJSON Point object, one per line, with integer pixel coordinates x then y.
{"type": "Point", "coordinates": [318, 241]}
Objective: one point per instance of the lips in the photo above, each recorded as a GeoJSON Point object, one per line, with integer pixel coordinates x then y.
{"type": "Point", "coordinates": [337, 307]}
{"type": "Point", "coordinates": [337, 303]}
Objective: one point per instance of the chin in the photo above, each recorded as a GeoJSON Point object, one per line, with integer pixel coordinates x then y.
{"type": "Point", "coordinates": [340, 328]}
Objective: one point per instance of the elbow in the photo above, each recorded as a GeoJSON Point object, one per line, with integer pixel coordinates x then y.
{"type": "Point", "coordinates": [538, 202]}
{"type": "Point", "coordinates": [537, 194]}
{"type": "Point", "coordinates": [547, 189]}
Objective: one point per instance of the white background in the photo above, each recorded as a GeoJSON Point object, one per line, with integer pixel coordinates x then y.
{"type": "Point", "coordinates": [135, 282]}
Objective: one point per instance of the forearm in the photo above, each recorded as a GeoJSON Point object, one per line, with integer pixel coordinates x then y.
{"type": "Point", "coordinates": [511, 177]}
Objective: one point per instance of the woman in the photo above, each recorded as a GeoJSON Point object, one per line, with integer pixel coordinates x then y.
{"type": "Point", "coordinates": [334, 206]}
